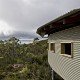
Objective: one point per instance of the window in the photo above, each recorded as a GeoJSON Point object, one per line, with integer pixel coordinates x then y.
{"type": "Point", "coordinates": [66, 48]}
{"type": "Point", "coordinates": [52, 47]}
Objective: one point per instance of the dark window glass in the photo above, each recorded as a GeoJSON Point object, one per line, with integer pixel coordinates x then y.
{"type": "Point", "coordinates": [66, 48]}
{"type": "Point", "coordinates": [52, 48]}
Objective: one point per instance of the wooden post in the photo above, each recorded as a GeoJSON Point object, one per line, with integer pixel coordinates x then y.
{"type": "Point", "coordinates": [52, 74]}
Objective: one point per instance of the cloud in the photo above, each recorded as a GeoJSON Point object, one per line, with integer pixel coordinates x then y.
{"type": "Point", "coordinates": [27, 15]}
{"type": "Point", "coordinates": [19, 35]}
{"type": "Point", "coordinates": [5, 28]}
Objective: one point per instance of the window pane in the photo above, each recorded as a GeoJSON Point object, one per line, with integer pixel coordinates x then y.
{"type": "Point", "coordinates": [66, 48]}
{"type": "Point", "coordinates": [52, 47]}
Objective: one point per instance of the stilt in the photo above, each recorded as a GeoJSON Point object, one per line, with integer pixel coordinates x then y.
{"type": "Point", "coordinates": [52, 74]}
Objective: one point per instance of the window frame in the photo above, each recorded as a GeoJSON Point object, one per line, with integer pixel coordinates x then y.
{"type": "Point", "coordinates": [67, 55]}
{"type": "Point", "coordinates": [53, 47]}
{"type": "Point", "coordinates": [48, 46]}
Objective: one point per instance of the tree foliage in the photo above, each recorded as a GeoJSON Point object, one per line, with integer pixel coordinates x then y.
{"type": "Point", "coordinates": [24, 61]}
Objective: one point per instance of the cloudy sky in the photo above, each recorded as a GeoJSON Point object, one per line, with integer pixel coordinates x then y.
{"type": "Point", "coordinates": [21, 18]}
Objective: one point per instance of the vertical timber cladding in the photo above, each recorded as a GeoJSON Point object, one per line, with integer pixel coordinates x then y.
{"type": "Point", "coordinates": [68, 68]}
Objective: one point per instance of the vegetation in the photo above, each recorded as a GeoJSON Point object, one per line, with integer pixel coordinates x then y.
{"type": "Point", "coordinates": [24, 61]}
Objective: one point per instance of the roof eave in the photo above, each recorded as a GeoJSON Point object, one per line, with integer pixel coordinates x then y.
{"type": "Point", "coordinates": [41, 30]}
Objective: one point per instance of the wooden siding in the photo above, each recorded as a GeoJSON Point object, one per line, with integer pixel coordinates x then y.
{"type": "Point", "coordinates": [68, 68]}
